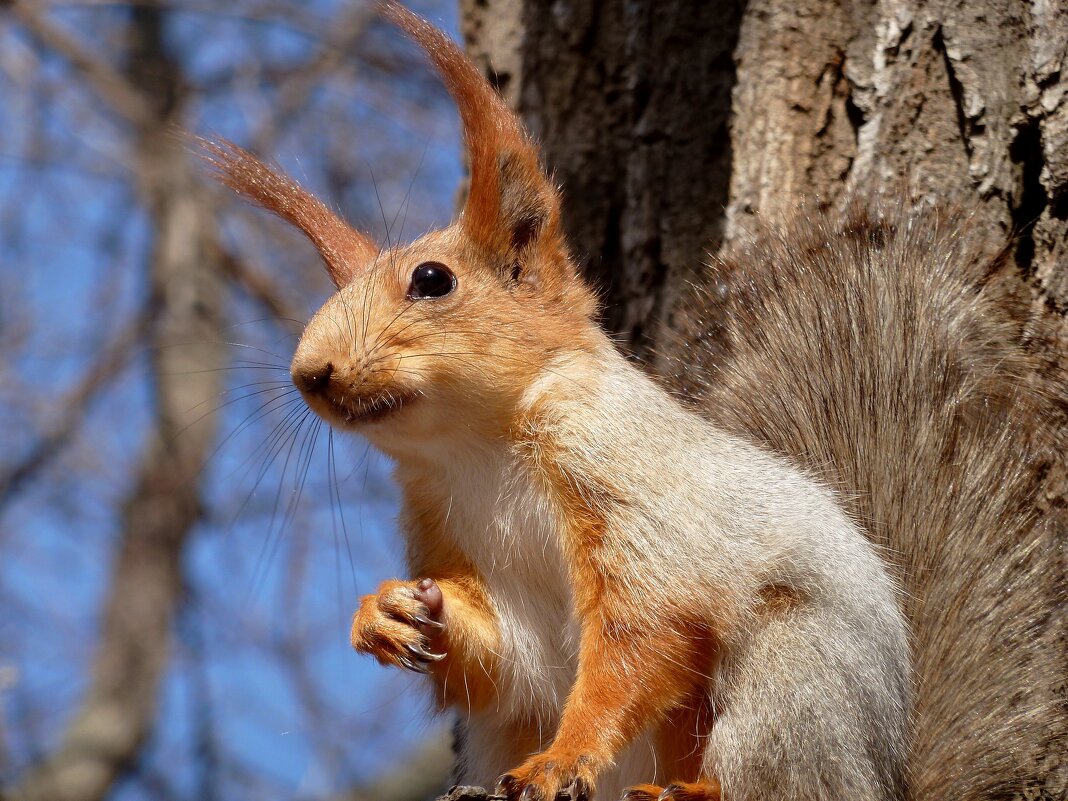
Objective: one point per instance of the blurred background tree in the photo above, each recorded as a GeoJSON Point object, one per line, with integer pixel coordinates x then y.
{"type": "Point", "coordinates": [181, 544]}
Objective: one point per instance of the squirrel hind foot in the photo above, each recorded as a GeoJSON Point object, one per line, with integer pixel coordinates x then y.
{"type": "Point", "coordinates": [702, 790]}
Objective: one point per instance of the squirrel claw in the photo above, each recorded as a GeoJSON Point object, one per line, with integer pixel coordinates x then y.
{"type": "Point", "coordinates": [413, 666]}
{"type": "Point", "coordinates": [504, 785]}
{"type": "Point", "coordinates": [578, 790]}
{"type": "Point", "coordinates": [422, 654]}
{"type": "Point", "coordinates": [423, 620]}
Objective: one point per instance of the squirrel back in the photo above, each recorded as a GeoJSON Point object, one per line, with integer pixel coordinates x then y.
{"type": "Point", "coordinates": [871, 349]}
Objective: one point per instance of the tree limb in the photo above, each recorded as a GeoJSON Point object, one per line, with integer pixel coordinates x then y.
{"type": "Point", "coordinates": [260, 287]}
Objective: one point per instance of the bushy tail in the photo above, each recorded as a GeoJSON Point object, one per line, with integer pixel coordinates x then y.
{"type": "Point", "coordinates": [872, 350]}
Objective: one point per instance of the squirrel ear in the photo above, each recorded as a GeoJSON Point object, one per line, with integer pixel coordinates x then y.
{"type": "Point", "coordinates": [511, 204]}
{"type": "Point", "coordinates": [343, 249]}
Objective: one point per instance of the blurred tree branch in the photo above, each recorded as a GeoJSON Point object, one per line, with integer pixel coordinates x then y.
{"type": "Point", "coordinates": [259, 286]}
{"type": "Point", "coordinates": [111, 85]}
{"type": "Point", "coordinates": [71, 411]}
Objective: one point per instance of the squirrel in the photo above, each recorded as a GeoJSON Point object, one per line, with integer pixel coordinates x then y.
{"type": "Point", "coordinates": [796, 565]}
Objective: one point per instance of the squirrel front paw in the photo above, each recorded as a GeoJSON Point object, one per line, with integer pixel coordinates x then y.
{"type": "Point", "coordinates": [401, 623]}
{"type": "Point", "coordinates": [548, 776]}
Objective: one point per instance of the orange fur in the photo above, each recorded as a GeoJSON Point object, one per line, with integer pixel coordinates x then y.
{"type": "Point", "coordinates": [467, 677]}
{"type": "Point", "coordinates": [376, 629]}
{"type": "Point", "coordinates": [643, 792]}
{"type": "Point", "coordinates": [777, 599]}
{"type": "Point", "coordinates": [512, 212]}
{"type": "Point", "coordinates": [343, 249]}
{"type": "Point", "coordinates": [680, 739]}
{"type": "Point", "coordinates": [494, 137]}
{"type": "Point", "coordinates": [624, 681]}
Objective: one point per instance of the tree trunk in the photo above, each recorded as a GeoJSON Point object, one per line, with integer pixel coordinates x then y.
{"type": "Point", "coordinates": [631, 102]}
{"type": "Point", "coordinates": [669, 123]}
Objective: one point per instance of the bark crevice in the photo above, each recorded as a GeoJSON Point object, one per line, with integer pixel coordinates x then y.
{"type": "Point", "coordinates": [1026, 151]}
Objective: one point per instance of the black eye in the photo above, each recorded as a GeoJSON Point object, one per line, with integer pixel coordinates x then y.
{"type": "Point", "coordinates": [431, 279]}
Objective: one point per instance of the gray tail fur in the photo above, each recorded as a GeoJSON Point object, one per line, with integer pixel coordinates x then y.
{"type": "Point", "coordinates": [874, 350]}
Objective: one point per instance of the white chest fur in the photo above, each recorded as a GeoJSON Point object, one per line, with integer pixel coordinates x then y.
{"type": "Point", "coordinates": [502, 518]}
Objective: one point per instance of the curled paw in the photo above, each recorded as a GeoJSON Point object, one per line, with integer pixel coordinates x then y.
{"type": "Point", "coordinates": [546, 777]}
{"type": "Point", "coordinates": [704, 790]}
{"type": "Point", "coordinates": [401, 624]}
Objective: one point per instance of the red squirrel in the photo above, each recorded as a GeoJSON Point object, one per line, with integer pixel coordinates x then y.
{"type": "Point", "coordinates": [670, 588]}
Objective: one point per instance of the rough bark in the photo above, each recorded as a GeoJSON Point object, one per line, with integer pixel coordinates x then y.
{"type": "Point", "coordinates": [670, 123]}
{"type": "Point", "coordinates": [118, 710]}
{"type": "Point", "coordinates": [631, 102]}
{"type": "Point", "coordinates": [961, 102]}
{"type": "Point", "coordinates": [667, 123]}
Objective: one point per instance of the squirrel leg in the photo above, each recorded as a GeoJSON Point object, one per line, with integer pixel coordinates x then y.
{"type": "Point", "coordinates": [679, 743]}
{"type": "Point", "coordinates": [623, 682]}
{"type": "Point", "coordinates": [467, 677]}
{"type": "Point", "coordinates": [442, 628]}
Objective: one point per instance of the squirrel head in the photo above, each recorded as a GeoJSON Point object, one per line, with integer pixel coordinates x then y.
{"type": "Point", "coordinates": [457, 325]}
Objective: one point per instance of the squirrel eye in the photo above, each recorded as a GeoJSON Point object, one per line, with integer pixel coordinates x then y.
{"type": "Point", "coordinates": [431, 279]}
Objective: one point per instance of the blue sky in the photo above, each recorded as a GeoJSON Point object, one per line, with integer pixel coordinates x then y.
{"type": "Point", "coordinates": [73, 247]}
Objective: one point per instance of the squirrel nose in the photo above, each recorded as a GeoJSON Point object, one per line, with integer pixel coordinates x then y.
{"type": "Point", "coordinates": [313, 379]}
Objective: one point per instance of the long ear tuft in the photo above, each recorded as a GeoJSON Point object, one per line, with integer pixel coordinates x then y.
{"type": "Point", "coordinates": [510, 201]}
{"type": "Point", "coordinates": [343, 249]}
